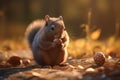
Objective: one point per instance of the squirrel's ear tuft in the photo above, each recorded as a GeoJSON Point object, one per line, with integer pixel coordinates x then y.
{"type": "Point", "coordinates": [47, 17]}
{"type": "Point", "coordinates": [61, 18]}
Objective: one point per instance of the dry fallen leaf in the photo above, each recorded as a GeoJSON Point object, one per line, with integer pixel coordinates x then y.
{"type": "Point", "coordinates": [3, 56]}
{"type": "Point", "coordinates": [80, 67]}
{"type": "Point", "coordinates": [90, 70]}
{"type": "Point", "coordinates": [96, 34]}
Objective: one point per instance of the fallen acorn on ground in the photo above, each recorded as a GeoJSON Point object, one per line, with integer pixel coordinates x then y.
{"type": "Point", "coordinates": [99, 58]}
{"type": "Point", "coordinates": [15, 60]}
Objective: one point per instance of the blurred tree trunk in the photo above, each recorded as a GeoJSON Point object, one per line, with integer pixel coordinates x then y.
{"type": "Point", "coordinates": [117, 13]}
{"type": "Point", "coordinates": [26, 10]}
{"type": "Point", "coordinates": [104, 20]}
{"type": "Point", "coordinates": [4, 7]}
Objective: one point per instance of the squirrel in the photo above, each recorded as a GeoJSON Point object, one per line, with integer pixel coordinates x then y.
{"type": "Point", "coordinates": [48, 40]}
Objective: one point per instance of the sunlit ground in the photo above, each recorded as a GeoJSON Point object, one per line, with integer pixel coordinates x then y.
{"type": "Point", "coordinates": [77, 48]}
{"type": "Point", "coordinates": [16, 53]}
{"type": "Point", "coordinates": [86, 48]}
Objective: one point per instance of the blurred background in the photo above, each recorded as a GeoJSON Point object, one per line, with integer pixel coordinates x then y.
{"type": "Point", "coordinates": [81, 17]}
{"type": "Point", "coordinates": [93, 25]}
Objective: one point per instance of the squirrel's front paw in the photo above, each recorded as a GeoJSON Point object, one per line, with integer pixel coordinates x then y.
{"type": "Point", "coordinates": [57, 41]}
{"type": "Point", "coordinates": [55, 45]}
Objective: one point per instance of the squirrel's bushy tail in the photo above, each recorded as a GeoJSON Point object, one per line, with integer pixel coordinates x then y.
{"type": "Point", "coordinates": [32, 29]}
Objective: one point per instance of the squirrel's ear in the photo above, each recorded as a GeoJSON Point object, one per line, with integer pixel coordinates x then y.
{"type": "Point", "coordinates": [61, 18]}
{"type": "Point", "coordinates": [47, 17]}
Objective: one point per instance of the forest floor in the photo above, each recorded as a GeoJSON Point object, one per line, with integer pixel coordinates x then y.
{"type": "Point", "coordinates": [16, 63]}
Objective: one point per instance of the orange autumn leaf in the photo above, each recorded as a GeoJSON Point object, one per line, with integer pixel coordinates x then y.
{"type": "Point", "coordinates": [96, 34]}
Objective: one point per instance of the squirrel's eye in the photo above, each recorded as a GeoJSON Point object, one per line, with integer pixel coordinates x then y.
{"type": "Point", "coordinates": [52, 27]}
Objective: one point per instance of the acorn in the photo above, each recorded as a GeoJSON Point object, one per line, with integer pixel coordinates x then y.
{"type": "Point", "coordinates": [57, 41]}
{"type": "Point", "coordinates": [99, 58]}
{"type": "Point", "coordinates": [15, 60]}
